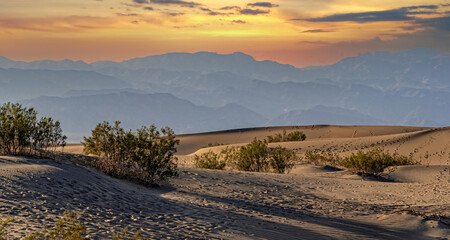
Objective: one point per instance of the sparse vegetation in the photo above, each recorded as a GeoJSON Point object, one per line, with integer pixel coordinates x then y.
{"type": "Point", "coordinates": [254, 157]}
{"type": "Point", "coordinates": [210, 160]}
{"type": "Point", "coordinates": [281, 160]}
{"type": "Point", "coordinates": [68, 227]}
{"type": "Point", "coordinates": [123, 235]}
{"type": "Point", "coordinates": [329, 159]}
{"type": "Point", "coordinates": [22, 133]}
{"type": "Point", "coordinates": [146, 157]}
{"type": "Point", "coordinates": [373, 162]}
{"type": "Point", "coordinates": [287, 137]}
{"type": "Point", "coordinates": [215, 144]}
{"type": "Point", "coordinates": [4, 226]}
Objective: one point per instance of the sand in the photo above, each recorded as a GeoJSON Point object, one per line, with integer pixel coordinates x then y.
{"type": "Point", "coordinates": [310, 202]}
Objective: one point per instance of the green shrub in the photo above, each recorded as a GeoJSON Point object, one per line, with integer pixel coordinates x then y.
{"type": "Point", "coordinates": [215, 144]}
{"type": "Point", "coordinates": [123, 235]}
{"type": "Point", "coordinates": [210, 160]}
{"type": "Point", "coordinates": [67, 227]}
{"type": "Point", "coordinates": [295, 136]}
{"type": "Point", "coordinates": [258, 157]}
{"type": "Point", "coordinates": [253, 157]}
{"type": "Point", "coordinates": [281, 160]}
{"type": "Point", "coordinates": [291, 137]}
{"type": "Point", "coordinates": [373, 162]}
{"type": "Point", "coordinates": [329, 159]}
{"type": "Point", "coordinates": [148, 152]}
{"type": "Point", "coordinates": [3, 227]}
{"type": "Point", "coordinates": [21, 133]}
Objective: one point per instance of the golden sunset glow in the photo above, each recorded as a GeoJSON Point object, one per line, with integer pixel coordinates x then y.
{"type": "Point", "coordinates": [301, 33]}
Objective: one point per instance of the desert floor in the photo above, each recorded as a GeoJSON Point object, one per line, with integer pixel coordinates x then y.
{"type": "Point", "coordinates": [310, 202]}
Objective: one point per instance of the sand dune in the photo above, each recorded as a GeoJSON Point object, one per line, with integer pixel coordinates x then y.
{"type": "Point", "coordinates": [192, 142]}
{"type": "Point", "coordinates": [310, 202]}
{"type": "Point", "coordinates": [212, 204]}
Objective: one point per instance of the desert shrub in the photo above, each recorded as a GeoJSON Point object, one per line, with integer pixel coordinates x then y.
{"type": "Point", "coordinates": [22, 133]}
{"type": "Point", "coordinates": [258, 157]}
{"type": "Point", "coordinates": [290, 137]}
{"type": "Point", "coordinates": [373, 162]}
{"type": "Point", "coordinates": [253, 157]}
{"type": "Point", "coordinates": [149, 152]}
{"type": "Point", "coordinates": [281, 160]}
{"type": "Point", "coordinates": [210, 160]}
{"type": "Point", "coordinates": [67, 227]}
{"type": "Point", "coordinates": [3, 227]}
{"type": "Point", "coordinates": [295, 136]}
{"type": "Point", "coordinates": [215, 144]}
{"type": "Point", "coordinates": [123, 235]}
{"type": "Point", "coordinates": [329, 159]}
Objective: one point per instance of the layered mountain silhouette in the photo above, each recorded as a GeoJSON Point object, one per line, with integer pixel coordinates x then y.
{"type": "Point", "coordinates": [208, 91]}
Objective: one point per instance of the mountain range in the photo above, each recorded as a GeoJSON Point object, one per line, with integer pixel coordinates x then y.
{"type": "Point", "coordinates": [209, 91]}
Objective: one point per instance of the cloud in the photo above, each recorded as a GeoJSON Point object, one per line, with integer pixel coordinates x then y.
{"type": "Point", "coordinates": [316, 31]}
{"type": "Point", "coordinates": [176, 2]}
{"type": "Point", "coordinates": [399, 14]}
{"type": "Point", "coordinates": [141, 1]}
{"type": "Point", "coordinates": [65, 24]}
{"type": "Point", "coordinates": [440, 23]}
{"type": "Point", "coordinates": [239, 21]}
{"type": "Point", "coordinates": [127, 14]}
{"type": "Point", "coordinates": [314, 42]}
{"type": "Point", "coordinates": [248, 11]}
{"type": "Point", "coordinates": [174, 14]}
{"type": "Point", "coordinates": [231, 8]}
{"type": "Point", "coordinates": [262, 4]}
{"type": "Point", "coordinates": [211, 12]}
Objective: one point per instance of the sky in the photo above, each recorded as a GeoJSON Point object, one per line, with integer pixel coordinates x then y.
{"type": "Point", "coordinates": [298, 32]}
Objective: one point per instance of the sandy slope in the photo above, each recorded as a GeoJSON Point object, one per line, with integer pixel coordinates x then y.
{"type": "Point", "coordinates": [417, 142]}
{"type": "Point", "coordinates": [192, 142]}
{"type": "Point", "coordinates": [308, 203]}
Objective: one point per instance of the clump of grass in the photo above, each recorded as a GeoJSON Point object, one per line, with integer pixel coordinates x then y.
{"type": "Point", "coordinates": [210, 160]}
{"type": "Point", "coordinates": [375, 161]}
{"type": "Point", "coordinates": [287, 137]}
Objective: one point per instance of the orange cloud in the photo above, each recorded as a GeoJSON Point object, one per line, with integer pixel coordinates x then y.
{"type": "Point", "coordinates": [62, 24]}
